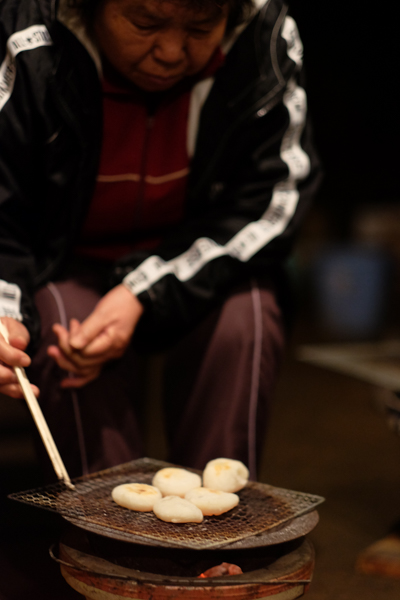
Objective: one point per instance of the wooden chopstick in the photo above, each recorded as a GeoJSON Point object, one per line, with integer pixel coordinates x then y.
{"type": "Point", "coordinates": [40, 421]}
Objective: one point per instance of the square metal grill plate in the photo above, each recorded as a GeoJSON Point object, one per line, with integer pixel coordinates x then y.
{"type": "Point", "coordinates": [90, 506]}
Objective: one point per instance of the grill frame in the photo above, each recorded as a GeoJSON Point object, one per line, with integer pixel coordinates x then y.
{"type": "Point", "coordinates": [261, 508]}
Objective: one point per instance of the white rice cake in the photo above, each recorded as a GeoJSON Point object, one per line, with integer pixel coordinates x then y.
{"type": "Point", "coordinates": [136, 496]}
{"type": "Point", "coordinates": [225, 474]}
{"type": "Point", "coordinates": [173, 481]}
{"type": "Point", "coordinates": [174, 509]}
{"type": "Point", "coordinates": [212, 502]}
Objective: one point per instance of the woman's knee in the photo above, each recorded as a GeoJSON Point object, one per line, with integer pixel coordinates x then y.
{"type": "Point", "coordinates": [250, 315]}
{"type": "Point", "coordinates": [61, 301]}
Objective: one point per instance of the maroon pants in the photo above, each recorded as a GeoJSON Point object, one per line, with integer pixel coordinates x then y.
{"type": "Point", "coordinates": [218, 384]}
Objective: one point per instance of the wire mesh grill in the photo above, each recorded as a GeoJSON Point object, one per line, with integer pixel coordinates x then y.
{"type": "Point", "coordinates": [90, 506]}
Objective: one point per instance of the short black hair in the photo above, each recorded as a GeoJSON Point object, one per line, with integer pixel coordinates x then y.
{"type": "Point", "coordinates": [238, 10]}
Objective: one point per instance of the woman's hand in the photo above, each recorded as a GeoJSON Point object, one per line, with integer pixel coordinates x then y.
{"type": "Point", "coordinates": [104, 335]}
{"type": "Point", "coordinates": [13, 355]}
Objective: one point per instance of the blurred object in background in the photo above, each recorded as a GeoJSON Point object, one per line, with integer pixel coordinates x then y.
{"type": "Point", "coordinates": [380, 225]}
{"type": "Point", "coordinates": [388, 402]}
{"type": "Point", "coordinates": [351, 285]}
{"type": "Point", "coordinates": [377, 363]}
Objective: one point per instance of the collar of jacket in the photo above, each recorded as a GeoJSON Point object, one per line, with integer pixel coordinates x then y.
{"type": "Point", "coordinates": [254, 77]}
{"type": "Point", "coordinates": [259, 57]}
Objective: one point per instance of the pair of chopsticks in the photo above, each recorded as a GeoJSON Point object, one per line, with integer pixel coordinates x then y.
{"type": "Point", "coordinates": [40, 421]}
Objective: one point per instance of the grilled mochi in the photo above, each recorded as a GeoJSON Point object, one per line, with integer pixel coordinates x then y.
{"type": "Point", "coordinates": [212, 502]}
{"type": "Point", "coordinates": [136, 496]}
{"type": "Point", "coordinates": [225, 474]}
{"type": "Point", "coordinates": [173, 481]}
{"type": "Point", "coordinates": [174, 509]}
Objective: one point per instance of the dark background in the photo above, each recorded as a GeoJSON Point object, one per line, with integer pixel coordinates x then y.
{"type": "Point", "coordinates": [349, 56]}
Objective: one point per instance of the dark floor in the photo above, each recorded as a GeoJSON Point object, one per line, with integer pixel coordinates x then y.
{"type": "Point", "coordinates": [326, 437]}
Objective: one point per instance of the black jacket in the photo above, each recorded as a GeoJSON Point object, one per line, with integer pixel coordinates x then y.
{"type": "Point", "coordinates": [252, 174]}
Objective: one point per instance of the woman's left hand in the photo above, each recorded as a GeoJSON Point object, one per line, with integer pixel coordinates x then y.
{"type": "Point", "coordinates": [104, 335]}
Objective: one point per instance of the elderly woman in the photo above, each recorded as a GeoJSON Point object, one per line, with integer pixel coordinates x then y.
{"type": "Point", "coordinates": [155, 165]}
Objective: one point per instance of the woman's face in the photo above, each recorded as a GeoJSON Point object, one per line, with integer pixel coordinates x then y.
{"type": "Point", "coordinates": [156, 43]}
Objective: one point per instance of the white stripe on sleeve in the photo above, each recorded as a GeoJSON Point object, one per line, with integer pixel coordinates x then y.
{"type": "Point", "coordinates": [27, 39]}
{"type": "Point", "coordinates": [291, 34]}
{"type": "Point", "coordinates": [10, 300]}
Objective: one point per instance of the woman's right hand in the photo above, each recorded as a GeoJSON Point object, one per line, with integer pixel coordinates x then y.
{"type": "Point", "coordinates": [13, 355]}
